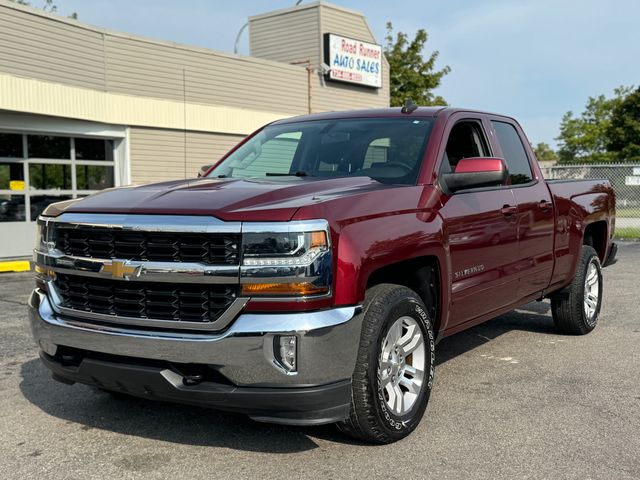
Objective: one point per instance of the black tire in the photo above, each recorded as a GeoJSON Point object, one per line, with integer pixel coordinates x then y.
{"type": "Point", "coordinates": [568, 304]}
{"type": "Point", "coordinates": [370, 419]}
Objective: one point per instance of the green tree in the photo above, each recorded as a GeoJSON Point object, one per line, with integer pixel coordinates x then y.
{"type": "Point", "coordinates": [544, 153]}
{"type": "Point", "coordinates": [48, 6]}
{"type": "Point", "coordinates": [623, 132]}
{"type": "Point", "coordinates": [412, 76]}
{"type": "Point", "coordinates": [584, 139]}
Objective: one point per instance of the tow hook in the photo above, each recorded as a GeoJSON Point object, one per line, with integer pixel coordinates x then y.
{"type": "Point", "coordinates": [188, 380]}
{"type": "Point", "coordinates": [191, 380]}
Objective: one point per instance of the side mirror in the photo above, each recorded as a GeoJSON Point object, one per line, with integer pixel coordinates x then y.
{"type": "Point", "coordinates": [477, 172]}
{"type": "Point", "coordinates": [204, 169]}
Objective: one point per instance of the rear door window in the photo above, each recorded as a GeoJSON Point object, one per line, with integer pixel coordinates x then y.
{"type": "Point", "coordinates": [514, 153]}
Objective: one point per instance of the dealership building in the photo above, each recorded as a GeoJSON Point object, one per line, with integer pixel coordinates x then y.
{"type": "Point", "coordinates": [83, 108]}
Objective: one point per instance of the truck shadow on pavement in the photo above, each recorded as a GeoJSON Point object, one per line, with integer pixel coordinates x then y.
{"type": "Point", "coordinates": [533, 317]}
{"type": "Point", "coordinates": [92, 409]}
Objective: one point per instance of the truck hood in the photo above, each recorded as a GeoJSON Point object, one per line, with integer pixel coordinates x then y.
{"type": "Point", "coordinates": [227, 199]}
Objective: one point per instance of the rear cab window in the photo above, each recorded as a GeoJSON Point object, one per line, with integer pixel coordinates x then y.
{"type": "Point", "coordinates": [515, 155]}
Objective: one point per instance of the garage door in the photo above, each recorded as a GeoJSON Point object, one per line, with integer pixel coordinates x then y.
{"type": "Point", "coordinates": [37, 169]}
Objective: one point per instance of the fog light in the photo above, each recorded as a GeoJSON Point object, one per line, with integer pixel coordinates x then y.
{"type": "Point", "coordinates": [286, 352]}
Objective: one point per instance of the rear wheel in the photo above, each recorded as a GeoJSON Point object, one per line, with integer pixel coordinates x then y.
{"type": "Point", "coordinates": [576, 307]}
{"type": "Point", "coordinates": [394, 371]}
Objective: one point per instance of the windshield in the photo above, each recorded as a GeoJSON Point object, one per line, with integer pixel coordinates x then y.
{"type": "Point", "coordinates": [389, 150]}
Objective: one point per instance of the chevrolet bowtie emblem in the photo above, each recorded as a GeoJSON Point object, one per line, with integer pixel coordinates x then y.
{"type": "Point", "coordinates": [119, 269]}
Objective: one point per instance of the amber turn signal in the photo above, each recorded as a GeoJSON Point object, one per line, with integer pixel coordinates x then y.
{"type": "Point", "coordinates": [299, 289]}
{"type": "Point", "coordinates": [43, 275]}
{"type": "Point", "coordinates": [318, 239]}
{"type": "Point", "coordinates": [45, 272]}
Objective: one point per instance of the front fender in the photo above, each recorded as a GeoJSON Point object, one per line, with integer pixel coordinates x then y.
{"type": "Point", "coordinates": [374, 243]}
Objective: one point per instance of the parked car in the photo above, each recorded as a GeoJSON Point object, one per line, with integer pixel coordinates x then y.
{"type": "Point", "coordinates": [307, 277]}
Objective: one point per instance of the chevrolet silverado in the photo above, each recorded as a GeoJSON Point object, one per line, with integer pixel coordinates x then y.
{"type": "Point", "coordinates": [308, 275]}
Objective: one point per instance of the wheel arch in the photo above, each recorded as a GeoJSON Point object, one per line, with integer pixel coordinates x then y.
{"type": "Point", "coordinates": [595, 235]}
{"type": "Point", "coordinates": [421, 274]}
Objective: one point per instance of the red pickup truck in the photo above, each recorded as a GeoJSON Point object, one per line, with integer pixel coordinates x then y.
{"type": "Point", "coordinates": [307, 277]}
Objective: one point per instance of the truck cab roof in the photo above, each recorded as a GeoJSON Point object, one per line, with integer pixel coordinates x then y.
{"type": "Point", "coordinates": [391, 112]}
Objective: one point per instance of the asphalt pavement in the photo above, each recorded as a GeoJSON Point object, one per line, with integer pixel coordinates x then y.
{"type": "Point", "coordinates": [512, 399]}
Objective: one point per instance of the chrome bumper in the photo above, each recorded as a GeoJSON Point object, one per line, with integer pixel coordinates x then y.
{"type": "Point", "coordinates": [327, 343]}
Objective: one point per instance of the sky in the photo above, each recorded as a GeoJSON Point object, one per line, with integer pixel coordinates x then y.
{"type": "Point", "coordinates": [533, 60]}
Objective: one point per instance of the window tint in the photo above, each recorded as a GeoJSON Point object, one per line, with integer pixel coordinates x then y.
{"type": "Point", "coordinates": [377, 152]}
{"type": "Point", "coordinates": [48, 146]}
{"type": "Point", "coordinates": [43, 172]}
{"type": "Point", "coordinates": [388, 150]}
{"type": "Point", "coordinates": [10, 145]}
{"type": "Point", "coordinates": [466, 140]}
{"type": "Point", "coordinates": [11, 176]}
{"type": "Point", "coordinates": [273, 156]}
{"type": "Point", "coordinates": [514, 153]}
{"type": "Point", "coordinates": [93, 149]}
{"type": "Point", "coordinates": [12, 208]}
{"type": "Point", "coordinates": [47, 176]}
{"type": "Point", "coordinates": [94, 177]}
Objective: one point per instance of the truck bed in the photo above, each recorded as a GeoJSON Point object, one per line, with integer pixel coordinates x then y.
{"type": "Point", "coordinates": [578, 203]}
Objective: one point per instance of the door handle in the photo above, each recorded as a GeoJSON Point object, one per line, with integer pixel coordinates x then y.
{"type": "Point", "coordinates": [544, 205]}
{"type": "Point", "coordinates": [508, 210]}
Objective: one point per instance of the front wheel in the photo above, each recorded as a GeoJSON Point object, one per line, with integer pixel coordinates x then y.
{"type": "Point", "coordinates": [394, 371]}
{"type": "Point", "coordinates": [576, 307]}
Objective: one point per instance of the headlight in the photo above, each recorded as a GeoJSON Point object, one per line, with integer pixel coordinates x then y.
{"type": "Point", "coordinates": [43, 243]}
{"type": "Point", "coordinates": [289, 248]}
{"type": "Point", "coordinates": [44, 239]}
{"type": "Point", "coordinates": [288, 259]}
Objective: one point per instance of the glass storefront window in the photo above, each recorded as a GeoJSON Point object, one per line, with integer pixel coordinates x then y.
{"type": "Point", "coordinates": [94, 177]}
{"type": "Point", "coordinates": [48, 146]}
{"type": "Point", "coordinates": [12, 208]}
{"type": "Point", "coordinates": [43, 174]}
{"type": "Point", "coordinates": [11, 176]}
{"type": "Point", "coordinates": [92, 149]}
{"type": "Point", "coordinates": [40, 202]}
{"type": "Point", "coordinates": [11, 145]}
{"type": "Point", "coordinates": [47, 176]}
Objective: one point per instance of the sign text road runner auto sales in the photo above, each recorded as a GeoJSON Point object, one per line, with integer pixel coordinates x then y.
{"type": "Point", "coordinates": [353, 61]}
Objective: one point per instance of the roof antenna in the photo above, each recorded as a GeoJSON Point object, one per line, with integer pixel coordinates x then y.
{"type": "Point", "coordinates": [409, 106]}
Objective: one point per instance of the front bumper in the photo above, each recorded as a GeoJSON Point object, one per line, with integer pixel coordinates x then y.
{"type": "Point", "coordinates": [139, 362]}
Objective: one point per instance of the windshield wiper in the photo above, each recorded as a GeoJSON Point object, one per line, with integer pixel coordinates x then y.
{"type": "Point", "coordinates": [277, 174]}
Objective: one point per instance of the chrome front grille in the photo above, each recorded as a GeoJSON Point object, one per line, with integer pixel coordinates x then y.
{"type": "Point", "coordinates": [105, 243]}
{"type": "Point", "coordinates": [203, 304]}
{"type": "Point", "coordinates": [173, 272]}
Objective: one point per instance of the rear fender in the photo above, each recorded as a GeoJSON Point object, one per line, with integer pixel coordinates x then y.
{"type": "Point", "coordinates": [583, 210]}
